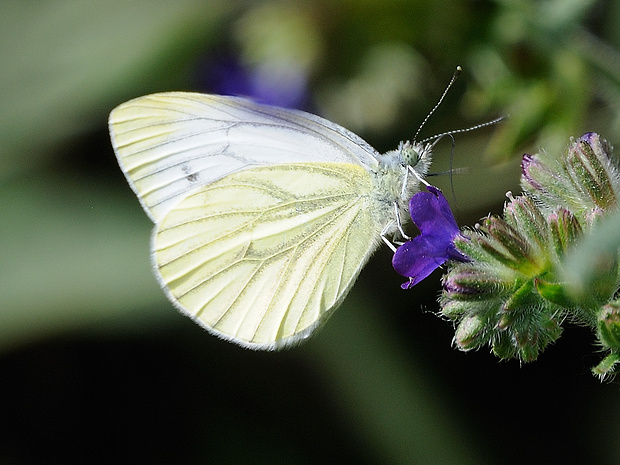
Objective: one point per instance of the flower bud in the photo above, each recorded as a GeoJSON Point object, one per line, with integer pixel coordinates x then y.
{"type": "Point", "coordinates": [565, 229]}
{"type": "Point", "coordinates": [608, 326]}
{"type": "Point", "coordinates": [494, 251]}
{"type": "Point", "coordinates": [471, 284]}
{"type": "Point", "coordinates": [585, 179]}
{"type": "Point", "coordinates": [543, 178]}
{"type": "Point", "coordinates": [508, 237]}
{"type": "Point", "coordinates": [503, 346]}
{"type": "Point", "coordinates": [469, 332]}
{"type": "Point", "coordinates": [588, 167]}
{"type": "Point", "coordinates": [525, 216]}
{"type": "Point", "coordinates": [510, 246]}
{"type": "Point", "coordinates": [528, 345]}
{"type": "Point", "coordinates": [454, 309]}
{"type": "Point", "coordinates": [535, 175]}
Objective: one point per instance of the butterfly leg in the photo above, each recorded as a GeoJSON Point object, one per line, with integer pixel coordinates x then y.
{"type": "Point", "coordinates": [418, 177]}
{"type": "Point", "coordinates": [398, 222]}
{"type": "Point", "coordinates": [385, 239]}
{"type": "Point", "coordinates": [390, 225]}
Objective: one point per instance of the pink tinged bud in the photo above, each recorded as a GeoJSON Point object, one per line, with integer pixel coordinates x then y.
{"type": "Point", "coordinates": [536, 175]}
{"type": "Point", "coordinates": [508, 246]}
{"type": "Point", "coordinates": [528, 171]}
{"type": "Point", "coordinates": [471, 284]}
{"type": "Point", "coordinates": [565, 230]}
{"type": "Point", "coordinates": [525, 216]}
{"type": "Point", "coordinates": [588, 167]}
{"type": "Point", "coordinates": [469, 333]}
{"type": "Point", "coordinates": [510, 238]}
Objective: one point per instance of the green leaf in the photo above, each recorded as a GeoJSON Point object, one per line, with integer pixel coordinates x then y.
{"type": "Point", "coordinates": [592, 265]}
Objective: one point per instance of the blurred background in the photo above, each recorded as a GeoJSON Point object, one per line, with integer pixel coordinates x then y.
{"type": "Point", "coordinates": [97, 367]}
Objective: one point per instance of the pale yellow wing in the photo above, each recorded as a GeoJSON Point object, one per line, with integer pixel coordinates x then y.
{"type": "Point", "coordinates": [264, 255]}
{"type": "Point", "coordinates": [171, 143]}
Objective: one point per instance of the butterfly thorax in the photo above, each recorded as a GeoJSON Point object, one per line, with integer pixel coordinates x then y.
{"type": "Point", "coordinates": [395, 184]}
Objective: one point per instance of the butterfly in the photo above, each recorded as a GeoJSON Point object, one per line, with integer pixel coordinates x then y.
{"type": "Point", "coordinates": [264, 216]}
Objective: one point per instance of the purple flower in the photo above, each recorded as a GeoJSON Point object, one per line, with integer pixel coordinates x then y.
{"type": "Point", "coordinates": [225, 73]}
{"type": "Point", "coordinates": [420, 256]}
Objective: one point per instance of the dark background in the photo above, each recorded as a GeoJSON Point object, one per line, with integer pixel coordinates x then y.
{"type": "Point", "coordinates": [97, 367]}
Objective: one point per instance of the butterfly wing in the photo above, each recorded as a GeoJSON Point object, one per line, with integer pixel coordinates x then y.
{"type": "Point", "coordinates": [169, 144]}
{"type": "Point", "coordinates": [264, 255]}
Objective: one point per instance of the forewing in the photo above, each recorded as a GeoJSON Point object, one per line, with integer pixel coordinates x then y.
{"type": "Point", "coordinates": [263, 256]}
{"type": "Point", "coordinates": [169, 144]}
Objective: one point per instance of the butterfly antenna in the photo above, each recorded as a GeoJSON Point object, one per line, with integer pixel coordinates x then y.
{"type": "Point", "coordinates": [457, 71]}
{"type": "Point", "coordinates": [450, 134]}
{"type": "Point", "coordinates": [437, 137]}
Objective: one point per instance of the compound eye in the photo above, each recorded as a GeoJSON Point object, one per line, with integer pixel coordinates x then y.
{"type": "Point", "coordinates": [410, 155]}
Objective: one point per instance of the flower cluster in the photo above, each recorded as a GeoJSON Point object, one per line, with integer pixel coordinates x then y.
{"type": "Point", "coordinates": [509, 287]}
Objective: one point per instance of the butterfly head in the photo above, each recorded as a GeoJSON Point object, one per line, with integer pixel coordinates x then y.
{"type": "Point", "coordinates": [415, 156]}
{"type": "Point", "coordinates": [400, 173]}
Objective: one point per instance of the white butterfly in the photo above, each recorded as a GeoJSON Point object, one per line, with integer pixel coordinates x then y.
{"type": "Point", "coordinates": [263, 216]}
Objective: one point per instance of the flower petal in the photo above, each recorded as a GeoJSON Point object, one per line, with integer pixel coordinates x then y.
{"type": "Point", "coordinates": [419, 257]}
{"type": "Point", "coordinates": [431, 213]}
